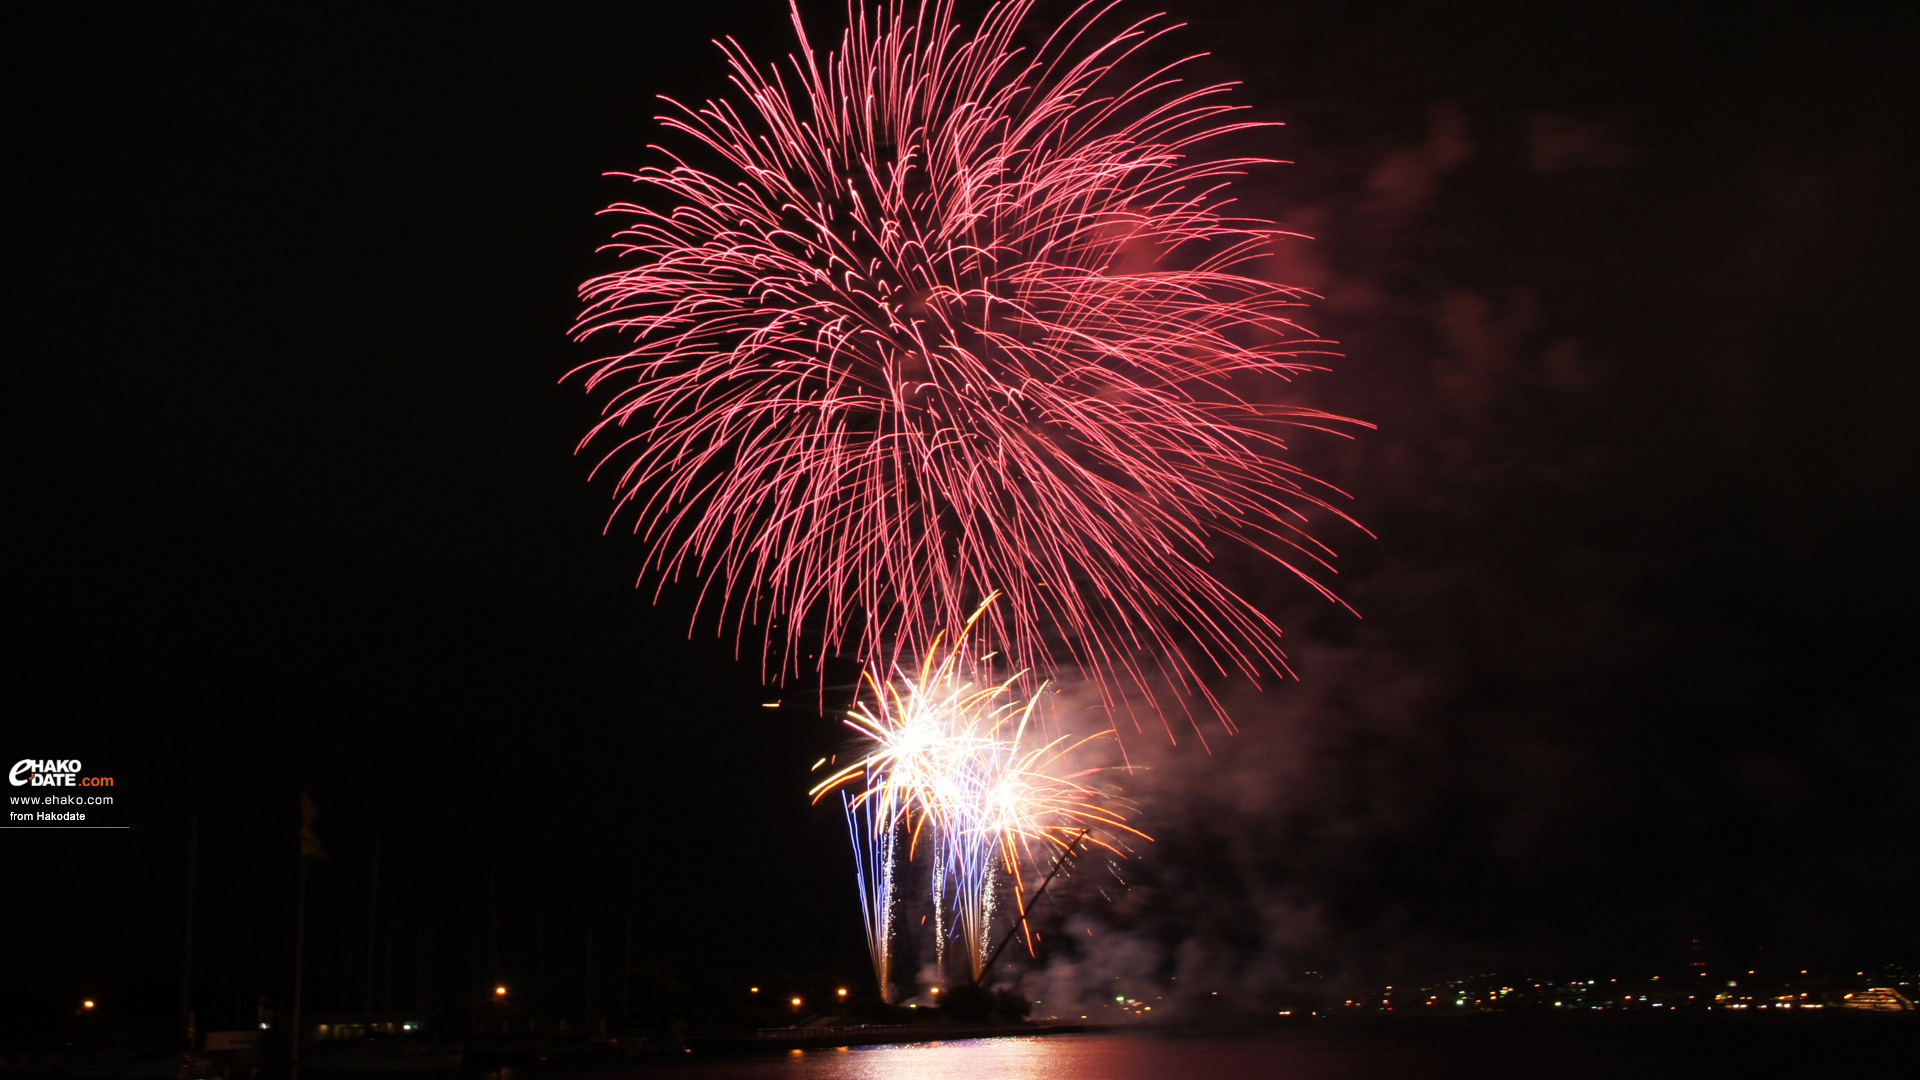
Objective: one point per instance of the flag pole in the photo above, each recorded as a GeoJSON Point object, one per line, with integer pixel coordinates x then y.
{"type": "Point", "coordinates": [186, 979]}
{"type": "Point", "coordinates": [299, 963]}
{"type": "Point", "coordinates": [309, 849]}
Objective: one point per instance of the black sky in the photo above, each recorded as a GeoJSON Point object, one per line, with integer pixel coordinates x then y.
{"type": "Point", "coordinates": [292, 502]}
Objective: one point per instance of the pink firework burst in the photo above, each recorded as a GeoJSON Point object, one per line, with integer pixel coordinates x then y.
{"type": "Point", "coordinates": [936, 314]}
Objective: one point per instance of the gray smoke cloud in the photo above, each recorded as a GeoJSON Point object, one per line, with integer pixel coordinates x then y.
{"type": "Point", "coordinates": [1609, 684]}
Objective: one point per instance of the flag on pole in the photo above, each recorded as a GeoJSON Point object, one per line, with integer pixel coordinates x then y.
{"type": "Point", "coordinates": [309, 841]}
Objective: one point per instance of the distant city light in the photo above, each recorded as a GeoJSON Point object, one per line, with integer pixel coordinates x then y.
{"type": "Point", "coordinates": [87, 1004]}
{"type": "Point", "coordinates": [842, 991]}
{"type": "Point", "coordinates": [499, 991]}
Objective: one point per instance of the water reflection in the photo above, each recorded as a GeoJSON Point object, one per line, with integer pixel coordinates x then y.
{"type": "Point", "coordinates": [1448, 1051]}
{"type": "Point", "coordinates": [1037, 1058]}
{"type": "Point", "coordinates": [1040, 1057]}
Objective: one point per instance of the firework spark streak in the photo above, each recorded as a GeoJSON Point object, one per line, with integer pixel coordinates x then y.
{"type": "Point", "coordinates": [935, 314]}
{"type": "Point", "coordinates": [872, 833]}
{"type": "Point", "coordinates": [959, 764]}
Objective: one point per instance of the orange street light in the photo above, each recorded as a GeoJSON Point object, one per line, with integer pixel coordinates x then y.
{"type": "Point", "coordinates": [499, 991]}
{"type": "Point", "coordinates": [796, 1003]}
{"type": "Point", "coordinates": [87, 1004]}
{"type": "Point", "coordinates": [843, 991]}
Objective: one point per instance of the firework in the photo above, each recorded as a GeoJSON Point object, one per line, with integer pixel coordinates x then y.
{"type": "Point", "coordinates": [872, 833]}
{"type": "Point", "coordinates": [955, 763]}
{"type": "Point", "coordinates": [935, 313]}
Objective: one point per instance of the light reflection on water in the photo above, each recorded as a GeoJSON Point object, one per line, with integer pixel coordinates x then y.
{"type": "Point", "coordinates": [1689, 1050]}
{"type": "Point", "coordinates": [1039, 1057]}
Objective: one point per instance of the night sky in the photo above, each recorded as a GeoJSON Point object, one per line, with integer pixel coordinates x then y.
{"type": "Point", "coordinates": [293, 506]}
